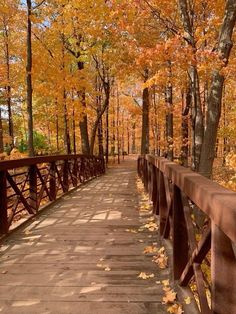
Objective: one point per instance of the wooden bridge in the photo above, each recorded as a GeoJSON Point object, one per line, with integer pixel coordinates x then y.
{"type": "Point", "coordinates": [93, 243]}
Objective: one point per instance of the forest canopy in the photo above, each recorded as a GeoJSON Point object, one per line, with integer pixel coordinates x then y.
{"type": "Point", "coordinates": [113, 77]}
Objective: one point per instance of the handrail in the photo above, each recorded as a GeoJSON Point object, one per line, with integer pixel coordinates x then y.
{"type": "Point", "coordinates": [27, 184]}
{"type": "Point", "coordinates": [175, 190]}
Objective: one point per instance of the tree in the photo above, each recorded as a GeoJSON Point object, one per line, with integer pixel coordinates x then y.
{"type": "Point", "coordinates": [223, 49]}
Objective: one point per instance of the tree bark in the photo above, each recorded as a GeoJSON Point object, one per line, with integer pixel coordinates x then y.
{"type": "Point", "coordinates": [216, 90]}
{"type": "Point", "coordinates": [196, 112]}
{"type": "Point", "coordinates": [145, 119]}
{"type": "Point", "coordinates": [133, 136]}
{"type": "Point", "coordinates": [1, 134]}
{"type": "Point", "coordinates": [83, 124]}
{"type": "Point", "coordinates": [186, 104]}
{"type": "Point", "coordinates": [169, 122]}
{"type": "Point", "coordinates": [100, 129]}
{"type": "Point", "coordinates": [196, 119]}
{"type": "Point", "coordinates": [128, 138]}
{"type": "Point", "coordinates": [29, 81]}
{"type": "Point", "coordinates": [118, 126]}
{"type": "Point", "coordinates": [66, 127]}
{"type": "Point", "coordinates": [107, 135]}
{"type": "Point", "coordinates": [106, 87]}
{"type": "Point", "coordinates": [8, 87]}
{"type": "Point", "coordinates": [74, 130]}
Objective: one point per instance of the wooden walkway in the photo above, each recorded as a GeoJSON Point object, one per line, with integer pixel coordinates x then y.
{"type": "Point", "coordinates": [84, 254]}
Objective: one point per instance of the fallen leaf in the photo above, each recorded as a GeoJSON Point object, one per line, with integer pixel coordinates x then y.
{"type": "Point", "coordinates": [151, 219]}
{"type": "Point", "coordinates": [151, 226]}
{"type": "Point", "coordinates": [161, 258]}
{"type": "Point", "coordinates": [170, 296]}
{"type": "Point", "coordinates": [145, 276]}
{"type": "Point", "coordinates": [175, 309]}
{"type": "Point", "coordinates": [187, 300]}
{"type": "Point", "coordinates": [99, 265]}
{"type": "Point", "coordinates": [131, 230]}
{"type": "Point", "coordinates": [107, 269]}
{"type": "Point", "coordinates": [150, 249]}
{"type": "Point", "coordinates": [166, 282]}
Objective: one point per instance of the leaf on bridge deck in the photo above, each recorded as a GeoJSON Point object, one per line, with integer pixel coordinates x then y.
{"type": "Point", "coordinates": [151, 226]}
{"type": "Point", "coordinates": [99, 265]}
{"type": "Point", "coordinates": [131, 230]}
{"type": "Point", "coordinates": [150, 249]}
{"type": "Point", "coordinates": [175, 309]}
{"type": "Point", "coordinates": [187, 300]}
{"type": "Point", "coordinates": [161, 259]}
{"type": "Point", "coordinates": [107, 269]}
{"type": "Point", "coordinates": [166, 282]}
{"type": "Point", "coordinates": [145, 276]}
{"type": "Point", "coordinates": [170, 295]}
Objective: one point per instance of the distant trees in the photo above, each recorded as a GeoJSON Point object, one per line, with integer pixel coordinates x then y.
{"type": "Point", "coordinates": [110, 77]}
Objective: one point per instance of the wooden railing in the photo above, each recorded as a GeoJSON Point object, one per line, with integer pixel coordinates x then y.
{"type": "Point", "coordinates": [27, 184]}
{"type": "Point", "coordinates": [176, 192]}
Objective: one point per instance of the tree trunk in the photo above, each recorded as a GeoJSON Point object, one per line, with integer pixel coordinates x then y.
{"type": "Point", "coordinates": [123, 136]}
{"type": "Point", "coordinates": [100, 130]}
{"type": "Point", "coordinates": [107, 135]}
{"type": "Point", "coordinates": [155, 124]}
{"type": "Point", "coordinates": [145, 119]}
{"type": "Point", "coordinates": [169, 122]}
{"type": "Point", "coordinates": [8, 87]}
{"type": "Point", "coordinates": [100, 113]}
{"type": "Point", "coordinates": [133, 135]}
{"type": "Point", "coordinates": [74, 130]}
{"type": "Point", "coordinates": [29, 81]}
{"type": "Point", "coordinates": [196, 114]}
{"type": "Point", "coordinates": [216, 90]}
{"type": "Point", "coordinates": [1, 134]}
{"type": "Point", "coordinates": [83, 124]}
{"type": "Point", "coordinates": [66, 127]}
{"type": "Point", "coordinates": [118, 126]}
{"type": "Point", "coordinates": [197, 119]}
{"type": "Point", "coordinates": [113, 137]}
{"type": "Point", "coordinates": [57, 132]}
{"type": "Point", "coordinates": [186, 104]}
{"type": "Point", "coordinates": [128, 138]}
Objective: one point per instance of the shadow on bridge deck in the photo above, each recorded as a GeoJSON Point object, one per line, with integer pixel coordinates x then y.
{"type": "Point", "coordinates": [83, 254]}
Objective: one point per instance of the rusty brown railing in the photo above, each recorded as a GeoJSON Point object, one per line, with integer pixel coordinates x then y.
{"type": "Point", "coordinates": [175, 191]}
{"type": "Point", "coordinates": [27, 184]}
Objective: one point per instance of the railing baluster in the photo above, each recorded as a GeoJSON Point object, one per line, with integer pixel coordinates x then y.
{"type": "Point", "coordinates": [223, 273]}
{"type": "Point", "coordinates": [3, 203]}
{"type": "Point", "coordinates": [66, 175]}
{"type": "Point", "coordinates": [33, 188]}
{"type": "Point", "coordinates": [154, 188]}
{"type": "Point", "coordinates": [75, 172]}
{"type": "Point", "coordinates": [52, 181]}
{"type": "Point", "coordinates": [180, 235]}
{"type": "Point", "coordinates": [162, 204]}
